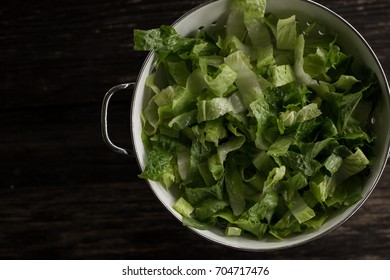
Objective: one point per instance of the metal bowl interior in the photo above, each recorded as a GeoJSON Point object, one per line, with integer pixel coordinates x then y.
{"type": "Point", "coordinates": [211, 15]}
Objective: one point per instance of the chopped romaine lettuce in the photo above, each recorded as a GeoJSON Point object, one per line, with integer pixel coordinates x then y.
{"type": "Point", "coordinates": [260, 128]}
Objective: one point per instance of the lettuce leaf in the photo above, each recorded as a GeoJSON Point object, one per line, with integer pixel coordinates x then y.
{"type": "Point", "coordinates": [286, 33]}
{"type": "Point", "coordinates": [159, 162]}
{"type": "Point", "coordinates": [235, 188]}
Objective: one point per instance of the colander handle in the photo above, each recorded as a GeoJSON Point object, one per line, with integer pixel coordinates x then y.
{"type": "Point", "coordinates": [104, 117]}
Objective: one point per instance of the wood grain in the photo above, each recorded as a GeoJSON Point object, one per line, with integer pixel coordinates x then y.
{"type": "Point", "coordinates": [63, 194]}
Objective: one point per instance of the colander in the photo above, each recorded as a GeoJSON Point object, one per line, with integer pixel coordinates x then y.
{"type": "Point", "coordinates": [211, 15]}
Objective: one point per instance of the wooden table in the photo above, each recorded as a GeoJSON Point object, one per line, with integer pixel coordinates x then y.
{"type": "Point", "coordinates": [64, 194]}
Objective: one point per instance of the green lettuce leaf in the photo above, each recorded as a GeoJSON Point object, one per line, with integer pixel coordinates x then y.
{"type": "Point", "coordinates": [246, 81]}
{"type": "Point", "coordinates": [216, 161]}
{"type": "Point", "coordinates": [300, 73]}
{"type": "Point", "coordinates": [183, 207]}
{"type": "Point", "coordinates": [159, 162]}
{"type": "Point", "coordinates": [235, 188]}
{"type": "Point", "coordinates": [209, 207]}
{"type": "Point", "coordinates": [282, 75]}
{"type": "Point", "coordinates": [308, 112]}
{"type": "Point", "coordinates": [287, 225]}
{"type": "Point", "coordinates": [286, 33]}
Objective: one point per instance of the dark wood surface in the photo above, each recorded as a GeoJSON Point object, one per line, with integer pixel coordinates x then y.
{"type": "Point", "coordinates": [64, 194]}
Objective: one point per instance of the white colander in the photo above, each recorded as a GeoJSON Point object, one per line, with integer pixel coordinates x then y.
{"type": "Point", "coordinates": [212, 15]}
